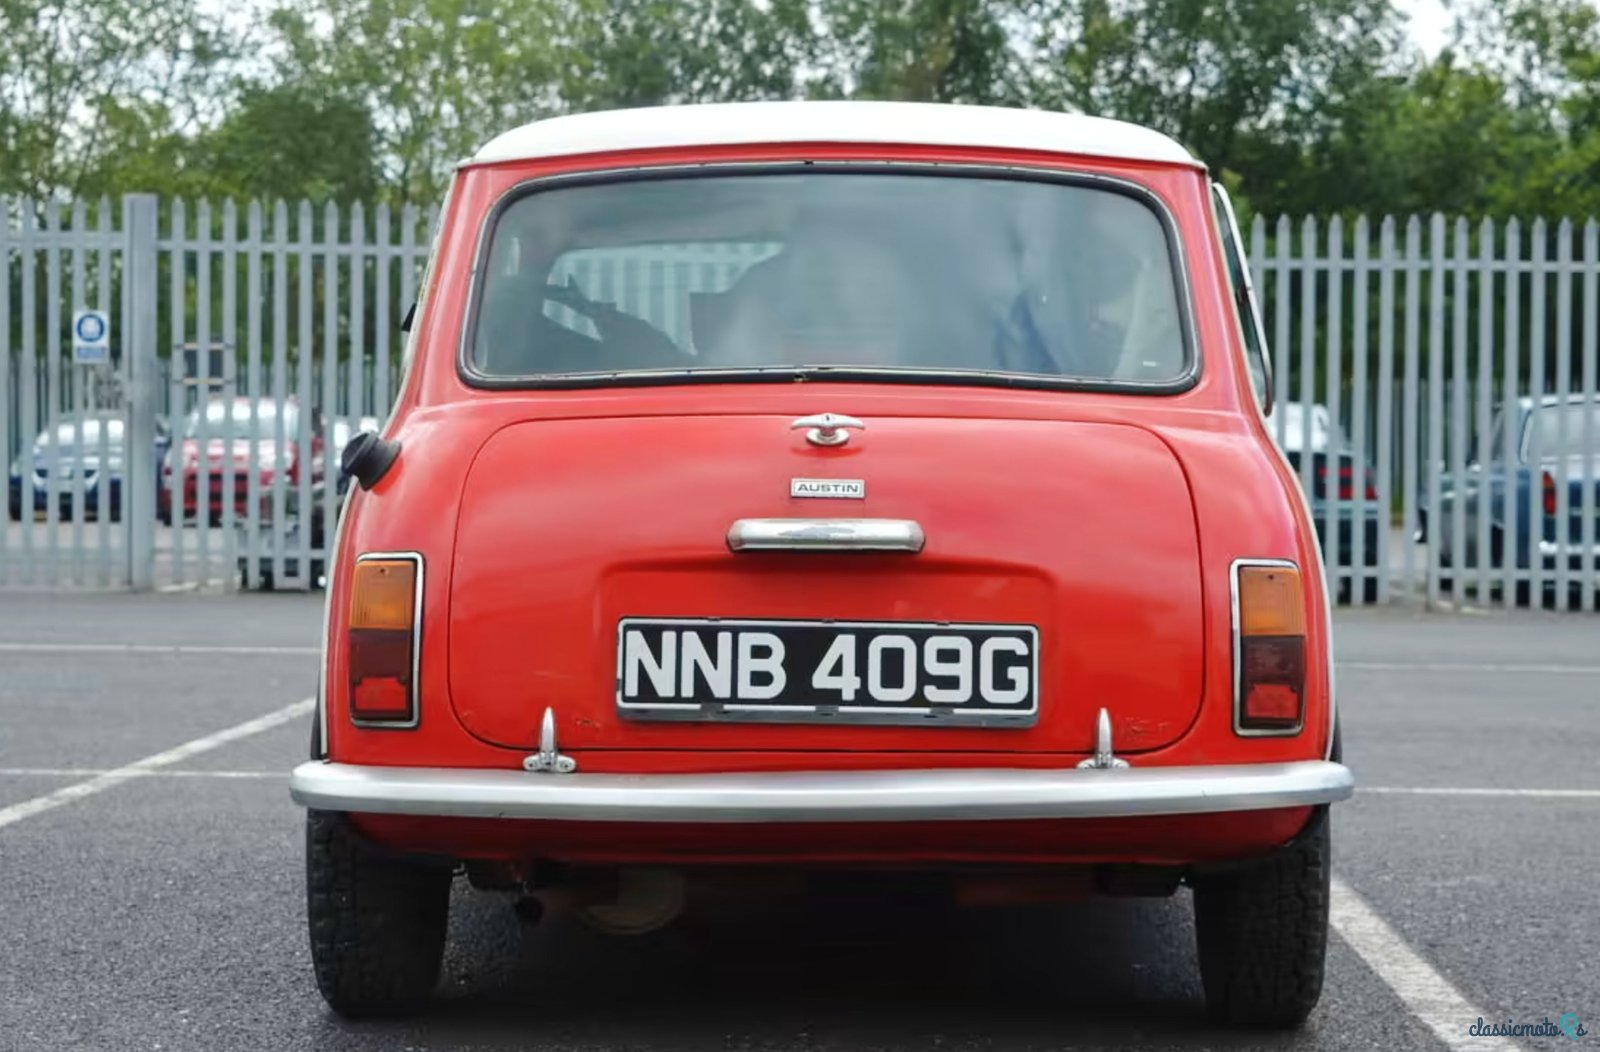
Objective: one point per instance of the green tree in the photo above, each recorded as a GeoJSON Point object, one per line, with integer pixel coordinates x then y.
{"type": "Point", "coordinates": [1548, 54]}
{"type": "Point", "coordinates": [651, 52]}
{"type": "Point", "coordinates": [82, 81]}
{"type": "Point", "coordinates": [438, 77]}
{"type": "Point", "coordinates": [292, 141]}
{"type": "Point", "coordinates": [1241, 82]}
{"type": "Point", "coordinates": [922, 50]}
{"type": "Point", "coordinates": [1446, 138]}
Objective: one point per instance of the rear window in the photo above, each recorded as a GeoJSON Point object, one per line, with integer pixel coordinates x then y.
{"type": "Point", "coordinates": [1580, 420]}
{"type": "Point", "coordinates": [850, 272]}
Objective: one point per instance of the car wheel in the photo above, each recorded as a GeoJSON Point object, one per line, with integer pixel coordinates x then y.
{"type": "Point", "coordinates": [1262, 933]}
{"type": "Point", "coordinates": [377, 922]}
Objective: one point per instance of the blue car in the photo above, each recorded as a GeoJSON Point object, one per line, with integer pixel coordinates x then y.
{"type": "Point", "coordinates": [1342, 495]}
{"type": "Point", "coordinates": [96, 470]}
{"type": "Point", "coordinates": [1534, 502]}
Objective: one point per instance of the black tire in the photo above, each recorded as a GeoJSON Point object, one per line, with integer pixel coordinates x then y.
{"type": "Point", "coordinates": [377, 922]}
{"type": "Point", "coordinates": [1262, 933]}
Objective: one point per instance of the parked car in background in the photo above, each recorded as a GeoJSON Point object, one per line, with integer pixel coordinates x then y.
{"type": "Point", "coordinates": [266, 444]}
{"type": "Point", "coordinates": [1532, 506]}
{"type": "Point", "coordinates": [1342, 493]}
{"type": "Point", "coordinates": [912, 525]}
{"type": "Point", "coordinates": [278, 543]}
{"type": "Point", "coordinates": [92, 460]}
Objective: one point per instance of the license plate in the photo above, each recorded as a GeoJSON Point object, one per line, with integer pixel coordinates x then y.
{"type": "Point", "coordinates": [827, 671]}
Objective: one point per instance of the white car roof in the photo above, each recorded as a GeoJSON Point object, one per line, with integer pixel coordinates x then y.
{"type": "Point", "coordinates": [920, 123]}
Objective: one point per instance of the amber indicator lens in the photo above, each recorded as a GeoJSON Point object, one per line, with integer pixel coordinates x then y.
{"type": "Point", "coordinates": [1270, 601]}
{"type": "Point", "coordinates": [1272, 649]}
{"type": "Point", "coordinates": [384, 594]}
{"type": "Point", "coordinates": [382, 642]}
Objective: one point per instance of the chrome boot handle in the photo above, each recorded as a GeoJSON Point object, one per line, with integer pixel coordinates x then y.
{"type": "Point", "coordinates": [827, 429]}
{"type": "Point", "coordinates": [825, 535]}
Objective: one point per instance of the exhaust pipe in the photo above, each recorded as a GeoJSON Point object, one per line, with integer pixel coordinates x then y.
{"type": "Point", "coordinates": [645, 900]}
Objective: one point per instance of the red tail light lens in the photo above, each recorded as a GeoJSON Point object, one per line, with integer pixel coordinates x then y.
{"type": "Point", "coordinates": [382, 643]}
{"type": "Point", "coordinates": [1549, 484]}
{"type": "Point", "coordinates": [1270, 648]}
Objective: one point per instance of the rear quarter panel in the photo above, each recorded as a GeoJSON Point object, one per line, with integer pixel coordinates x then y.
{"type": "Point", "coordinates": [1246, 503]}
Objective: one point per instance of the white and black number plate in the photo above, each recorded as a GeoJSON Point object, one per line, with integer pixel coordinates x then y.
{"type": "Point", "coordinates": [827, 671]}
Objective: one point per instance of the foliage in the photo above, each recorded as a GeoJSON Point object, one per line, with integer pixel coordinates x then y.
{"type": "Point", "coordinates": [435, 76]}
{"type": "Point", "coordinates": [654, 52]}
{"type": "Point", "coordinates": [920, 50]}
{"type": "Point", "coordinates": [82, 82]}
{"type": "Point", "coordinates": [1305, 106]}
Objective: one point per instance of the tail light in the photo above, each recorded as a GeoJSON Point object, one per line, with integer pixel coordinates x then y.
{"type": "Point", "coordinates": [1549, 484]}
{"type": "Point", "coordinates": [1269, 649]}
{"type": "Point", "coordinates": [1347, 482]}
{"type": "Point", "coordinates": [385, 606]}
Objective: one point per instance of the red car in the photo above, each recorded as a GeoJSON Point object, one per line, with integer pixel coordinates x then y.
{"type": "Point", "coordinates": [256, 442]}
{"type": "Point", "coordinates": [803, 486]}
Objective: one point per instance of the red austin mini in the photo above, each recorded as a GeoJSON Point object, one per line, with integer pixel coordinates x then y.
{"type": "Point", "coordinates": [806, 485]}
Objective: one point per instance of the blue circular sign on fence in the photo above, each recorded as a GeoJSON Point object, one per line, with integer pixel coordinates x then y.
{"type": "Point", "coordinates": [90, 328]}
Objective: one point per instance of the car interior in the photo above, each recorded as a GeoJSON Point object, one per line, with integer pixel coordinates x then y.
{"type": "Point", "coordinates": [836, 271]}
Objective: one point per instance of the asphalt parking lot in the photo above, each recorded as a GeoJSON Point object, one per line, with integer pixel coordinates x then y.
{"type": "Point", "coordinates": [157, 903]}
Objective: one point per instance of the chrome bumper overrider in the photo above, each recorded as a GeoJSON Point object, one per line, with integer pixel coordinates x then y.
{"type": "Point", "coordinates": [831, 796]}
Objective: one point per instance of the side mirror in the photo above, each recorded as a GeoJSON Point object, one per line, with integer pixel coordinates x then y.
{"type": "Point", "coordinates": [368, 457]}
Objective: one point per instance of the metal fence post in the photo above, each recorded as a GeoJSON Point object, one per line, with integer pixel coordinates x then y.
{"type": "Point", "coordinates": [139, 314]}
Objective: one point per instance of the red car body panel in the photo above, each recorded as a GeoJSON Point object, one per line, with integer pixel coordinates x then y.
{"type": "Point", "coordinates": [1157, 840]}
{"type": "Point", "coordinates": [1122, 556]}
{"type": "Point", "coordinates": [1027, 553]}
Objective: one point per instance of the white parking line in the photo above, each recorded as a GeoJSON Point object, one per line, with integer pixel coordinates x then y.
{"type": "Point", "coordinates": [1425, 993]}
{"type": "Point", "coordinates": [1425, 790]}
{"type": "Point", "coordinates": [1450, 666]}
{"type": "Point", "coordinates": [192, 586]}
{"type": "Point", "coordinates": [147, 648]}
{"type": "Point", "coordinates": [117, 776]}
